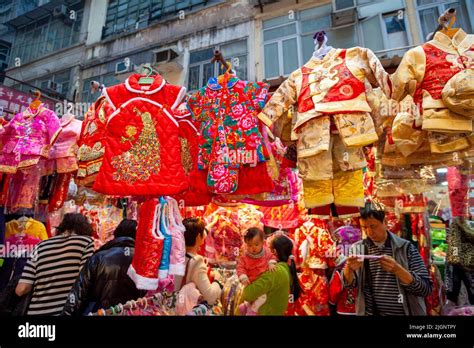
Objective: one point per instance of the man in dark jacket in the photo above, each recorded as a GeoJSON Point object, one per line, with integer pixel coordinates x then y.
{"type": "Point", "coordinates": [103, 282]}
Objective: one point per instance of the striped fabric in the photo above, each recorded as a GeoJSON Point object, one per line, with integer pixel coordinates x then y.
{"type": "Point", "coordinates": [383, 294]}
{"type": "Point", "coordinates": [52, 269]}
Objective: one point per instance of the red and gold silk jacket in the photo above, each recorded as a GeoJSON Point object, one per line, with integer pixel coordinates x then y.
{"type": "Point", "coordinates": [142, 148]}
{"type": "Point", "coordinates": [91, 142]}
{"type": "Point", "coordinates": [334, 85]}
{"type": "Point", "coordinates": [423, 73]}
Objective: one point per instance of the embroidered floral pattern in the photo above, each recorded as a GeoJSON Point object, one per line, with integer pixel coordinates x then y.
{"type": "Point", "coordinates": [186, 158]}
{"type": "Point", "coordinates": [143, 158]}
{"type": "Point", "coordinates": [87, 153]}
{"type": "Point", "coordinates": [230, 129]}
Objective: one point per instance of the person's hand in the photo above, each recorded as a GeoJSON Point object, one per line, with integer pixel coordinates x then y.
{"type": "Point", "coordinates": [388, 264]}
{"type": "Point", "coordinates": [354, 263]}
{"type": "Point", "coordinates": [245, 281]}
{"type": "Point", "coordinates": [272, 267]}
{"type": "Point", "coordinates": [216, 276]}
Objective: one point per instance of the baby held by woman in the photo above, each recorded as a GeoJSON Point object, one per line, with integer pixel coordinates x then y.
{"type": "Point", "coordinates": [256, 260]}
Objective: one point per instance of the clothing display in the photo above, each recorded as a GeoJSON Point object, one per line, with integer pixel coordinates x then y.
{"type": "Point", "coordinates": [29, 226]}
{"type": "Point", "coordinates": [27, 138]}
{"type": "Point", "coordinates": [159, 248]}
{"type": "Point", "coordinates": [423, 73]}
{"type": "Point", "coordinates": [231, 135]}
{"type": "Point", "coordinates": [64, 151]}
{"type": "Point", "coordinates": [333, 122]}
{"type": "Point", "coordinates": [154, 169]}
{"type": "Point", "coordinates": [197, 192]}
{"type": "Point", "coordinates": [142, 148]}
{"type": "Point", "coordinates": [91, 143]}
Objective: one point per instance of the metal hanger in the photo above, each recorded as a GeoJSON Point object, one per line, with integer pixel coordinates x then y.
{"type": "Point", "coordinates": [148, 79]}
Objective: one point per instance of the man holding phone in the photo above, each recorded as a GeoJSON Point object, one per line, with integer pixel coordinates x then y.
{"type": "Point", "coordinates": [387, 270]}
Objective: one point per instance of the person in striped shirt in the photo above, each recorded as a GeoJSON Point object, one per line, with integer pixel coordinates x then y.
{"type": "Point", "coordinates": [55, 264]}
{"type": "Point", "coordinates": [388, 271]}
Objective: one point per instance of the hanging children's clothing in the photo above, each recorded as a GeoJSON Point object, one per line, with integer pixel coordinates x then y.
{"type": "Point", "coordinates": [232, 149]}
{"type": "Point", "coordinates": [142, 147]}
{"type": "Point", "coordinates": [27, 138]}
{"type": "Point", "coordinates": [197, 193]}
{"type": "Point", "coordinates": [63, 153]}
{"type": "Point", "coordinates": [23, 188]}
{"type": "Point", "coordinates": [30, 227]}
{"type": "Point", "coordinates": [332, 122]}
{"type": "Point", "coordinates": [91, 143]}
{"type": "Point", "coordinates": [423, 73]}
{"type": "Point", "coordinates": [178, 244]}
{"type": "Point", "coordinates": [148, 247]}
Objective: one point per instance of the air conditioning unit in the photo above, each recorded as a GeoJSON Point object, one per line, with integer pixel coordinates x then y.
{"type": "Point", "coordinates": [60, 11]}
{"type": "Point", "coordinates": [165, 55]}
{"type": "Point", "coordinates": [345, 17]}
{"type": "Point", "coordinates": [123, 67]}
{"type": "Point", "coordinates": [54, 86]}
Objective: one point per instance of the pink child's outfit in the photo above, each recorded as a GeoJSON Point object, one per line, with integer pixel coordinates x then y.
{"type": "Point", "coordinates": [27, 138]}
{"type": "Point", "coordinates": [251, 267]}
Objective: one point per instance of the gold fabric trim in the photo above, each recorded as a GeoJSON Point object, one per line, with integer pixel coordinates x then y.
{"type": "Point", "coordinates": [357, 104]}
{"type": "Point", "coordinates": [456, 145]}
{"type": "Point", "coordinates": [86, 153]}
{"type": "Point", "coordinates": [28, 163]}
{"type": "Point", "coordinates": [265, 119]}
{"type": "Point", "coordinates": [447, 125]}
{"type": "Point", "coordinates": [8, 169]}
{"type": "Point", "coordinates": [409, 73]}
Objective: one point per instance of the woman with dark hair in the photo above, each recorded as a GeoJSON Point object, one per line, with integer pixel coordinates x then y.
{"type": "Point", "coordinates": [103, 282]}
{"type": "Point", "coordinates": [55, 264]}
{"type": "Point", "coordinates": [279, 284]}
{"type": "Point", "coordinates": [196, 268]}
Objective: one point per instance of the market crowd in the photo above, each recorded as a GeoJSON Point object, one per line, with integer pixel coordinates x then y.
{"type": "Point", "coordinates": [64, 276]}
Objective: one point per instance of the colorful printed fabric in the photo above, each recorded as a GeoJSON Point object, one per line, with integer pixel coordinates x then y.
{"type": "Point", "coordinates": [27, 137]}
{"type": "Point", "coordinates": [230, 130]}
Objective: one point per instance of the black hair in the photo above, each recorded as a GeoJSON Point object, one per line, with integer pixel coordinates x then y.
{"type": "Point", "coordinates": [75, 222]}
{"type": "Point", "coordinates": [194, 227]}
{"type": "Point", "coordinates": [252, 233]}
{"type": "Point", "coordinates": [126, 228]}
{"type": "Point", "coordinates": [284, 249]}
{"type": "Point", "coordinates": [370, 212]}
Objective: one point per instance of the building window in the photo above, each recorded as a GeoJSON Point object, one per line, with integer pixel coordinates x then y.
{"type": "Point", "coordinates": [281, 47]}
{"type": "Point", "coordinates": [201, 69]}
{"type": "Point", "coordinates": [385, 32]}
{"type": "Point", "coordinates": [288, 41]}
{"type": "Point", "coordinates": [45, 36]}
{"type": "Point", "coordinates": [430, 10]}
{"type": "Point", "coordinates": [126, 15]}
{"type": "Point", "coordinates": [58, 82]}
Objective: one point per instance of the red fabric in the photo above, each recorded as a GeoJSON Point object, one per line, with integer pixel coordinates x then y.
{"type": "Point", "coordinates": [6, 179]}
{"type": "Point", "coordinates": [343, 298]}
{"type": "Point", "coordinates": [254, 267]}
{"type": "Point", "coordinates": [61, 187]}
{"type": "Point", "coordinates": [435, 300]}
{"type": "Point", "coordinates": [285, 216]}
{"type": "Point", "coordinates": [438, 71]}
{"type": "Point", "coordinates": [348, 87]}
{"type": "Point", "coordinates": [458, 187]}
{"type": "Point", "coordinates": [197, 193]}
{"type": "Point", "coordinates": [142, 148]}
{"type": "Point", "coordinates": [91, 141]}
{"type": "Point", "coordinates": [254, 180]}
{"type": "Point", "coordinates": [149, 244]}
{"type": "Point", "coordinates": [314, 299]}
